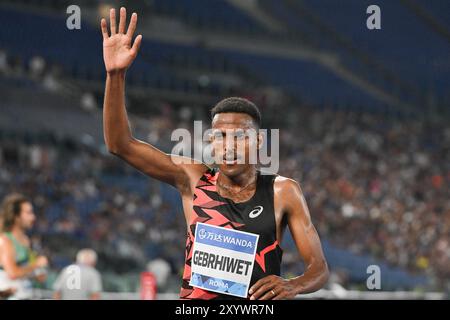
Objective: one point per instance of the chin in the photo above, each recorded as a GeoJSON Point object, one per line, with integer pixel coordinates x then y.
{"type": "Point", "coordinates": [28, 226]}
{"type": "Point", "coordinates": [232, 170]}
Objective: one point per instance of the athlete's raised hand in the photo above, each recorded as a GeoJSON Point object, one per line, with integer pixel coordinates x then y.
{"type": "Point", "coordinates": [118, 52]}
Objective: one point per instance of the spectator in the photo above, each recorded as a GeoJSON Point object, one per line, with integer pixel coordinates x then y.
{"type": "Point", "coordinates": [80, 281]}
{"type": "Point", "coordinates": [161, 269]}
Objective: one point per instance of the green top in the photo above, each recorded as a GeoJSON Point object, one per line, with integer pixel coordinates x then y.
{"type": "Point", "coordinates": [22, 252]}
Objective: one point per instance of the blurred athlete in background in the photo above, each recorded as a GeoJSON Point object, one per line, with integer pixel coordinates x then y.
{"type": "Point", "coordinates": [18, 263]}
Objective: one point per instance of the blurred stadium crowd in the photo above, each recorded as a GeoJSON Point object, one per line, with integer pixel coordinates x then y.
{"type": "Point", "coordinates": [376, 177]}
{"type": "Point", "coordinates": [374, 187]}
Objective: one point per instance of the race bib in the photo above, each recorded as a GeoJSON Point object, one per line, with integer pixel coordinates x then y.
{"type": "Point", "coordinates": [223, 259]}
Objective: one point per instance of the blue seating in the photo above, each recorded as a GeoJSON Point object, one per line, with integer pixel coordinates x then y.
{"type": "Point", "coordinates": [308, 81]}
{"type": "Point", "coordinates": [438, 9]}
{"type": "Point", "coordinates": [80, 54]}
{"type": "Point", "coordinates": [404, 43]}
{"type": "Point", "coordinates": [414, 52]}
{"type": "Point", "coordinates": [209, 14]}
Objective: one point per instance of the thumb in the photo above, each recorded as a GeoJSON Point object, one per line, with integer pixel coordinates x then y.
{"type": "Point", "coordinates": [136, 45]}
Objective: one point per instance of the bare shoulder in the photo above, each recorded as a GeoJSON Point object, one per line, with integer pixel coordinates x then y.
{"type": "Point", "coordinates": [286, 187]}
{"type": "Point", "coordinates": [191, 170]}
{"type": "Point", "coordinates": [289, 196]}
{"type": "Point", "coordinates": [4, 241]}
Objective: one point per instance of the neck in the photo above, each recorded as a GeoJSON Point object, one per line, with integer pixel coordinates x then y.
{"type": "Point", "coordinates": [17, 231]}
{"type": "Point", "coordinates": [240, 181]}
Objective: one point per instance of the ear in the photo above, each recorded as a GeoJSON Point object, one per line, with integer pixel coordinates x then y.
{"type": "Point", "coordinates": [210, 137]}
{"type": "Point", "coordinates": [261, 137]}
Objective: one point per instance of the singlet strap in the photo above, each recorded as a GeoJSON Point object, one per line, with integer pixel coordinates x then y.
{"type": "Point", "coordinates": [22, 252]}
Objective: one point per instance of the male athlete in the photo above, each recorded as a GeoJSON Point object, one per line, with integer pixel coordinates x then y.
{"type": "Point", "coordinates": [18, 264]}
{"type": "Point", "coordinates": [234, 195]}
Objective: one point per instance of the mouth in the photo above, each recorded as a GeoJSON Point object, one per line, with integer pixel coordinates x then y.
{"type": "Point", "coordinates": [230, 160]}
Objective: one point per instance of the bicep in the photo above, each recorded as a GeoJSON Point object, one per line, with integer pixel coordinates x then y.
{"type": "Point", "coordinates": [301, 227]}
{"type": "Point", "coordinates": [175, 170]}
{"type": "Point", "coordinates": [305, 237]}
{"type": "Point", "coordinates": [7, 255]}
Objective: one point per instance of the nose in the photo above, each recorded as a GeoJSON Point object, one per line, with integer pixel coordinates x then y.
{"type": "Point", "coordinates": [230, 144]}
{"type": "Point", "coordinates": [230, 152]}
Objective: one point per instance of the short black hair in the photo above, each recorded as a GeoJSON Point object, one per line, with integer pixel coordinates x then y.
{"type": "Point", "coordinates": [239, 105]}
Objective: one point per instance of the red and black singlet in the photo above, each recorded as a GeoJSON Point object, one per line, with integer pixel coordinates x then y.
{"type": "Point", "coordinates": [256, 215]}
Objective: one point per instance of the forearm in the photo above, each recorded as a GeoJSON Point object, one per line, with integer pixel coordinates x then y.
{"type": "Point", "coordinates": [311, 281]}
{"type": "Point", "coordinates": [20, 272]}
{"type": "Point", "coordinates": [116, 129]}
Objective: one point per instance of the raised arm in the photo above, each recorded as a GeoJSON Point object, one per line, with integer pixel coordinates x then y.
{"type": "Point", "coordinates": [118, 55]}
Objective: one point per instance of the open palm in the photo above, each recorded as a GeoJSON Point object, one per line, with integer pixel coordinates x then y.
{"type": "Point", "coordinates": [118, 53]}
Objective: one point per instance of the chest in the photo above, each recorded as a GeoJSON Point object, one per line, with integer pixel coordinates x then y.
{"type": "Point", "coordinates": [237, 196]}
{"type": "Point", "coordinates": [254, 214]}
{"type": "Point", "coordinates": [21, 250]}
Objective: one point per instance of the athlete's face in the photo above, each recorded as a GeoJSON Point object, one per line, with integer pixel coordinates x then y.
{"type": "Point", "coordinates": [26, 217]}
{"type": "Point", "coordinates": [235, 142]}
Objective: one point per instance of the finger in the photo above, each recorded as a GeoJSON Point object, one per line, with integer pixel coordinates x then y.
{"type": "Point", "coordinates": [132, 26]}
{"type": "Point", "coordinates": [112, 21]}
{"type": "Point", "coordinates": [280, 296]}
{"type": "Point", "coordinates": [122, 20]}
{"type": "Point", "coordinates": [262, 290]}
{"type": "Point", "coordinates": [104, 29]}
{"type": "Point", "coordinates": [136, 45]}
{"type": "Point", "coordinates": [268, 295]}
{"type": "Point", "coordinates": [258, 284]}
